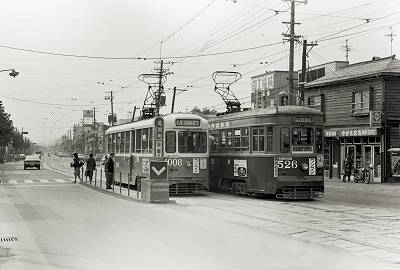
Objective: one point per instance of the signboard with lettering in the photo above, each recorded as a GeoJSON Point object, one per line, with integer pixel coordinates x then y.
{"type": "Point", "coordinates": [353, 132]}
{"type": "Point", "coordinates": [303, 120]}
{"type": "Point", "coordinates": [375, 118]}
{"type": "Point", "coordinates": [219, 125]}
{"type": "Point", "coordinates": [188, 122]}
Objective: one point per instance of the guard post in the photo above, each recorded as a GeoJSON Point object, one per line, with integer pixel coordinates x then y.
{"type": "Point", "coordinates": [155, 189]}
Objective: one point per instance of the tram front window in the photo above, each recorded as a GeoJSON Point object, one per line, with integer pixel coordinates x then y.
{"type": "Point", "coordinates": [192, 142]}
{"type": "Point", "coordinates": [302, 139]}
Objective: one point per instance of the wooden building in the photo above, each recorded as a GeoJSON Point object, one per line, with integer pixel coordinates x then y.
{"type": "Point", "coordinates": [361, 107]}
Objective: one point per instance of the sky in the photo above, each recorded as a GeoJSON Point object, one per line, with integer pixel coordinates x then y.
{"type": "Point", "coordinates": [70, 53]}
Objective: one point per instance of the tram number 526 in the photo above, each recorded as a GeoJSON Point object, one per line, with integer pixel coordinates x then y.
{"type": "Point", "coordinates": [287, 164]}
{"type": "Point", "coordinates": [175, 162]}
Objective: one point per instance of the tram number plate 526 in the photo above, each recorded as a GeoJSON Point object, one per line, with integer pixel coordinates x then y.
{"type": "Point", "coordinates": [287, 164]}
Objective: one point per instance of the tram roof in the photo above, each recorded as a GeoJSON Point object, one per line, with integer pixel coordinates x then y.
{"type": "Point", "coordinates": [150, 122]}
{"type": "Point", "coordinates": [276, 110]}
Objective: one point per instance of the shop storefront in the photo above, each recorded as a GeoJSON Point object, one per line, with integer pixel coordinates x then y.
{"type": "Point", "coordinates": [364, 144]}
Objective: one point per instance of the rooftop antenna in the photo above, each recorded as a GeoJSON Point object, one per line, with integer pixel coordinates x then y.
{"type": "Point", "coordinates": [223, 80]}
{"type": "Point", "coordinates": [347, 48]}
{"type": "Point", "coordinates": [391, 35]}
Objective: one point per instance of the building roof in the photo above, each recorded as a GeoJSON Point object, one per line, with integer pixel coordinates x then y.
{"type": "Point", "coordinates": [388, 65]}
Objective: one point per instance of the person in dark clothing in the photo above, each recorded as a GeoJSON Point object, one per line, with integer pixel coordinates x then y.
{"type": "Point", "coordinates": [90, 167]}
{"type": "Point", "coordinates": [77, 164]}
{"type": "Point", "coordinates": [109, 170]}
{"type": "Point", "coordinates": [348, 166]}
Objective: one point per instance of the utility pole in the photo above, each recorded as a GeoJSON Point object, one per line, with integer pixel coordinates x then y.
{"type": "Point", "coordinates": [292, 38]}
{"type": "Point", "coordinates": [159, 89]}
{"type": "Point", "coordinates": [391, 35]}
{"type": "Point", "coordinates": [173, 97]}
{"type": "Point", "coordinates": [347, 48]}
{"type": "Point", "coordinates": [303, 77]}
{"type": "Point", "coordinates": [111, 98]}
{"type": "Point", "coordinates": [83, 134]}
{"type": "Point", "coordinates": [95, 131]}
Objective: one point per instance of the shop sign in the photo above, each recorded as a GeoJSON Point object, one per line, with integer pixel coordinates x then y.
{"type": "Point", "coordinates": [354, 132]}
{"type": "Point", "coordinates": [375, 118]}
{"type": "Point", "coordinates": [219, 125]}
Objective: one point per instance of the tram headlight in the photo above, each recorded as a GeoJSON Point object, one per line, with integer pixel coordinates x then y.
{"type": "Point", "coordinates": [188, 164]}
{"type": "Point", "coordinates": [304, 166]}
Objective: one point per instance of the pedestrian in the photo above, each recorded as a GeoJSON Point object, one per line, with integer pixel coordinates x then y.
{"type": "Point", "coordinates": [348, 166]}
{"type": "Point", "coordinates": [77, 164]}
{"type": "Point", "coordinates": [90, 167]}
{"type": "Point", "coordinates": [109, 171]}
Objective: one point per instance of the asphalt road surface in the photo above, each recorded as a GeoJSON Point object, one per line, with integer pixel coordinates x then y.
{"type": "Point", "coordinates": [47, 222]}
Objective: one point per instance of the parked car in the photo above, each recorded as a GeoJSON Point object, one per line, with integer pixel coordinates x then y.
{"type": "Point", "coordinates": [32, 161]}
{"type": "Point", "coordinates": [21, 156]}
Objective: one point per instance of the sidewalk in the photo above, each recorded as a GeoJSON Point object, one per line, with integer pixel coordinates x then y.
{"type": "Point", "coordinates": [387, 189]}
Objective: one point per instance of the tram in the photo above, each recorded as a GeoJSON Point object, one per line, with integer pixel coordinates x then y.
{"type": "Point", "coordinates": [180, 139]}
{"type": "Point", "coordinates": [272, 151]}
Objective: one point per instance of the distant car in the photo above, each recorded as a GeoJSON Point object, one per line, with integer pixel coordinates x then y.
{"type": "Point", "coordinates": [32, 161]}
{"type": "Point", "coordinates": [81, 156]}
{"type": "Point", "coordinates": [21, 156]}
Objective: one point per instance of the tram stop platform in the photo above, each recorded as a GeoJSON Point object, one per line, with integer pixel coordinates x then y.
{"type": "Point", "coordinates": [150, 193]}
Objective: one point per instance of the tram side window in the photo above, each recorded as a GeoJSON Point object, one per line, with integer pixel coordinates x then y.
{"type": "Point", "coordinates": [151, 140]}
{"type": "Point", "coordinates": [223, 140]}
{"type": "Point", "coordinates": [113, 142]}
{"type": "Point", "coordinates": [258, 139]}
{"type": "Point", "coordinates": [270, 139]}
{"type": "Point", "coordinates": [285, 140]}
{"type": "Point", "coordinates": [236, 139]}
{"type": "Point", "coordinates": [170, 142]}
{"type": "Point", "coordinates": [318, 140]}
{"type": "Point", "coordinates": [133, 140]}
{"type": "Point", "coordinates": [138, 141]}
{"type": "Point", "coordinates": [145, 140]}
{"type": "Point", "coordinates": [122, 142]}
{"type": "Point", "coordinates": [109, 143]}
{"type": "Point", "coordinates": [245, 139]}
{"type": "Point", "coordinates": [215, 142]}
{"type": "Point", "coordinates": [127, 142]}
{"type": "Point", "coordinates": [229, 138]}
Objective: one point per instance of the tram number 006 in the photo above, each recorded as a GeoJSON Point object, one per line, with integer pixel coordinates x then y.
{"type": "Point", "coordinates": [175, 162]}
{"type": "Point", "coordinates": [287, 164]}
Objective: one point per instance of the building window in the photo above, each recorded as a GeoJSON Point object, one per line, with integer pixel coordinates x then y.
{"type": "Point", "coordinates": [315, 102]}
{"type": "Point", "coordinates": [270, 102]}
{"type": "Point", "coordinates": [360, 103]}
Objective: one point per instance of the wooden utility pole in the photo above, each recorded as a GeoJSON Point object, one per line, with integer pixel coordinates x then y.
{"type": "Point", "coordinates": [173, 97]}
{"type": "Point", "coordinates": [303, 77]}
{"type": "Point", "coordinates": [291, 37]}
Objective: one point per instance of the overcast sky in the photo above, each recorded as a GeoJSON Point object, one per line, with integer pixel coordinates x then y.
{"type": "Point", "coordinates": [48, 96]}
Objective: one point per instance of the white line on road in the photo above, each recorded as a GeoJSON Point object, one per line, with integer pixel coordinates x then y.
{"type": "Point", "coordinates": [28, 181]}
{"type": "Point", "coordinates": [59, 180]}
{"type": "Point", "coordinates": [44, 181]}
{"type": "Point", "coordinates": [12, 182]}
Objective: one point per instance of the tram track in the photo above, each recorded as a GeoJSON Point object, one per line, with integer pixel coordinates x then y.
{"type": "Point", "coordinates": [343, 227]}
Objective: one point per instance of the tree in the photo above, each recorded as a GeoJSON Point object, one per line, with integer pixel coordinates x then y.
{"type": "Point", "coordinates": [203, 112]}
{"type": "Point", "coordinates": [6, 127]}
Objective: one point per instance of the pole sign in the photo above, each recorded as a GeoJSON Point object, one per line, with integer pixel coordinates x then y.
{"type": "Point", "coordinates": [158, 170]}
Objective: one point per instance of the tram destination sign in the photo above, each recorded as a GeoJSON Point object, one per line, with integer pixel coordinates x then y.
{"type": "Point", "coordinates": [303, 120]}
{"type": "Point", "coordinates": [353, 132]}
{"type": "Point", "coordinates": [187, 122]}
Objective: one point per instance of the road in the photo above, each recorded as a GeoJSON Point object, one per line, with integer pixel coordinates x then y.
{"type": "Point", "coordinates": [61, 225]}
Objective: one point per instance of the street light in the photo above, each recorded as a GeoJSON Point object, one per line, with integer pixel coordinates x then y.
{"type": "Point", "coordinates": [13, 73]}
